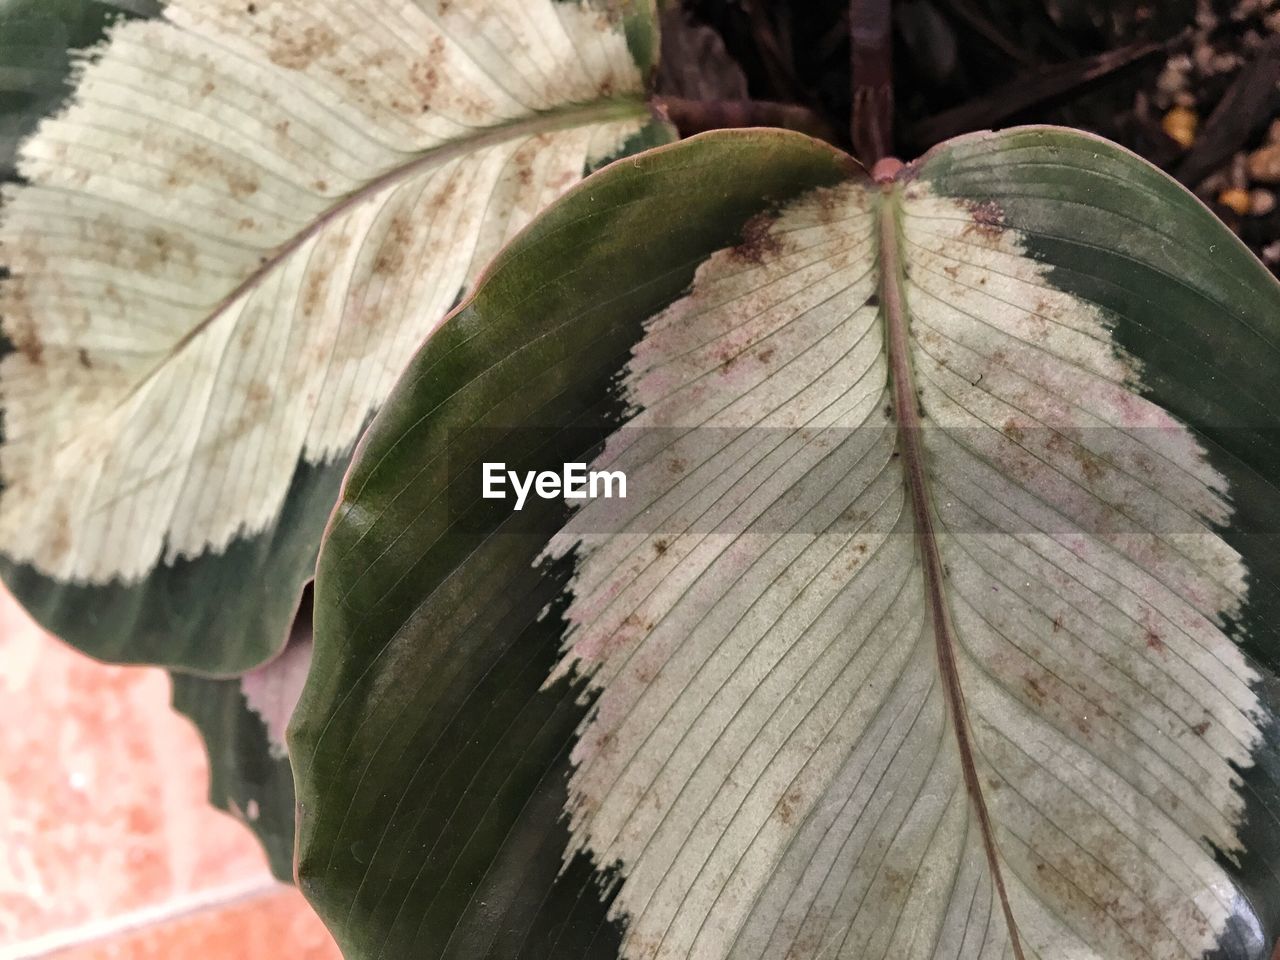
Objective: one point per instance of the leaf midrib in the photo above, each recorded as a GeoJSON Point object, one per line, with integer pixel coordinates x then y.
{"type": "Point", "coordinates": [549, 121]}
{"type": "Point", "coordinates": [893, 308]}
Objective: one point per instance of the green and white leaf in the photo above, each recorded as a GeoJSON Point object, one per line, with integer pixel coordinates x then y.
{"type": "Point", "coordinates": [938, 620]}
{"type": "Point", "coordinates": [227, 246]}
{"type": "Point", "coordinates": [38, 39]}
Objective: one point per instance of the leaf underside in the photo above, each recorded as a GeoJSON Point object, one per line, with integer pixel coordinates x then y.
{"type": "Point", "coordinates": [226, 247]}
{"type": "Point", "coordinates": [936, 621]}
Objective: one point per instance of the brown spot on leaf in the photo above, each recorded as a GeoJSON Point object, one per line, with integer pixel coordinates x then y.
{"type": "Point", "coordinates": [313, 291]}
{"type": "Point", "coordinates": [444, 196]}
{"type": "Point", "coordinates": [829, 206]}
{"type": "Point", "coordinates": [1045, 310]}
{"type": "Point", "coordinates": [630, 632]}
{"type": "Point", "coordinates": [790, 806]}
{"type": "Point", "coordinates": [1154, 642]}
{"type": "Point", "coordinates": [21, 328]}
{"type": "Point", "coordinates": [854, 518]}
{"type": "Point", "coordinates": [810, 943]}
{"type": "Point", "coordinates": [758, 243]}
{"type": "Point", "coordinates": [240, 184]}
{"type": "Point", "coordinates": [298, 49]}
{"type": "Point", "coordinates": [1091, 466]}
{"type": "Point", "coordinates": [202, 162]}
{"type": "Point", "coordinates": [154, 251]}
{"type": "Point", "coordinates": [258, 395]}
{"type": "Point", "coordinates": [897, 883]}
{"type": "Point", "coordinates": [1035, 689]}
{"type": "Point", "coordinates": [425, 79]}
{"type": "Point", "coordinates": [60, 537]}
{"type": "Point", "coordinates": [1013, 431]}
{"type": "Point", "coordinates": [395, 245]}
{"type": "Point", "coordinates": [987, 217]}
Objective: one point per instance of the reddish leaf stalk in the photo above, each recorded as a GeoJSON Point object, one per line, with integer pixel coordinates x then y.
{"type": "Point", "coordinates": [698, 116]}
{"type": "Point", "coordinates": [872, 60]}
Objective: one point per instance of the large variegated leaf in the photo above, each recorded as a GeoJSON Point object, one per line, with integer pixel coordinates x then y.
{"type": "Point", "coordinates": [938, 620]}
{"type": "Point", "coordinates": [226, 247]}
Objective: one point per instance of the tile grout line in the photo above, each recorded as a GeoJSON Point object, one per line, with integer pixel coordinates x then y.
{"type": "Point", "coordinates": [174, 909]}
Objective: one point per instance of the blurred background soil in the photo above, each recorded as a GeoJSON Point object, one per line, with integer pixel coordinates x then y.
{"type": "Point", "coordinates": [1191, 85]}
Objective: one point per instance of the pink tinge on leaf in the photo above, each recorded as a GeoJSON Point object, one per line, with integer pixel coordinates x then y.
{"type": "Point", "coordinates": [272, 691]}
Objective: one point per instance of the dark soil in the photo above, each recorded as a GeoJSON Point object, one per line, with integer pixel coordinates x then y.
{"type": "Point", "coordinates": [1192, 85]}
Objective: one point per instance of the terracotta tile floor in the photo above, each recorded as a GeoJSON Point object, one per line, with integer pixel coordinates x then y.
{"type": "Point", "coordinates": [107, 845]}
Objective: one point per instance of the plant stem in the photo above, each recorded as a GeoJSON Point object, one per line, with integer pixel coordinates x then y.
{"type": "Point", "coordinates": [871, 127]}
{"type": "Point", "coordinates": [776, 59]}
{"type": "Point", "coordinates": [698, 116]}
